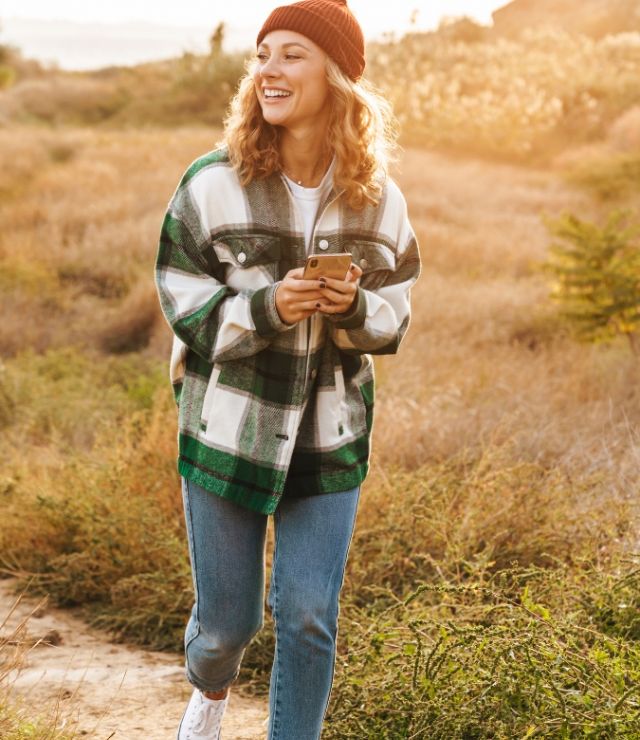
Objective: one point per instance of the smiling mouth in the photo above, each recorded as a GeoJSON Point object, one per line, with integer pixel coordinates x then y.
{"type": "Point", "coordinates": [276, 94]}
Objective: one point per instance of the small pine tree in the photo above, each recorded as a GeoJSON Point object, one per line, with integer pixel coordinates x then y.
{"type": "Point", "coordinates": [596, 273]}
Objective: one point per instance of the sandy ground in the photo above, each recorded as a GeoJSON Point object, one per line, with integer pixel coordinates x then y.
{"type": "Point", "coordinates": [110, 690]}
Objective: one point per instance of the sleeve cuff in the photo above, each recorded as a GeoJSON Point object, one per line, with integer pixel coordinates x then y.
{"type": "Point", "coordinates": [265, 314]}
{"type": "Point", "coordinates": [355, 317]}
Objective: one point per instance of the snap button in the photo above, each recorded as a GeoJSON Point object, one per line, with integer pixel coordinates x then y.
{"type": "Point", "coordinates": [363, 263]}
{"type": "Point", "coordinates": [242, 257]}
{"type": "Point", "coordinates": [323, 244]}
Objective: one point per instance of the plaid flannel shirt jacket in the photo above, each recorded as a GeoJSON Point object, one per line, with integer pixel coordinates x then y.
{"type": "Point", "coordinates": [267, 409]}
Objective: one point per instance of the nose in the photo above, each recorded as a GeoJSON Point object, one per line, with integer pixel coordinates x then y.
{"type": "Point", "coordinates": [269, 68]}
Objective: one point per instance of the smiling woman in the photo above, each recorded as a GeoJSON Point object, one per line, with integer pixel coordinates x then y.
{"type": "Point", "coordinates": [273, 372]}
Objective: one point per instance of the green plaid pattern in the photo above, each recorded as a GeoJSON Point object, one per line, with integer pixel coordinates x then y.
{"type": "Point", "coordinates": [266, 409]}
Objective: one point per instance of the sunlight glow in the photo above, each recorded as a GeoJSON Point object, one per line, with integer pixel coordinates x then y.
{"type": "Point", "coordinates": [374, 18]}
{"type": "Point", "coordinates": [80, 35]}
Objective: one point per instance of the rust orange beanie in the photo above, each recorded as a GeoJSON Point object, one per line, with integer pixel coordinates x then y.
{"type": "Point", "coordinates": [330, 24]}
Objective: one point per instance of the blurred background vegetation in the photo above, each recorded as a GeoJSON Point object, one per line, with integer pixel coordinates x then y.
{"type": "Point", "coordinates": [493, 587]}
{"type": "Point", "coordinates": [516, 94]}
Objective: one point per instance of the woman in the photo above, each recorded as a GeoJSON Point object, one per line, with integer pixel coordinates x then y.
{"type": "Point", "coordinates": [272, 372]}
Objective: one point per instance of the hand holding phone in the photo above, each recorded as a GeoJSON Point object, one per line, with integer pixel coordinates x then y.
{"type": "Point", "coordinates": [339, 293]}
{"type": "Point", "coordinates": [334, 266]}
{"type": "Point", "coordinates": [301, 294]}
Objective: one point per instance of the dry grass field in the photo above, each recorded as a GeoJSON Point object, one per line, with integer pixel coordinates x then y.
{"type": "Point", "coordinates": [493, 587]}
{"type": "Point", "coordinates": [485, 363]}
{"type": "Point", "coordinates": [498, 439]}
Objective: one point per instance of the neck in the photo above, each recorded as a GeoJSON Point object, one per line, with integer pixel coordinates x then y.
{"type": "Point", "coordinates": [305, 158]}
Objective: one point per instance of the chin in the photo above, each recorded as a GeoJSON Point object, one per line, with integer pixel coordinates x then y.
{"type": "Point", "coordinates": [275, 120]}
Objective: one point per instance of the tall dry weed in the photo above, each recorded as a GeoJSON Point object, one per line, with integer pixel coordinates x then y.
{"type": "Point", "coordinates": [485, 363]}
{"type": "Point", "coordinates": [130, 327]}
{"type": "Point", "coordinates": [469, 517]}
{"type": "Point", "coordinates": [81, 217]}
{"type": "Point", "coordinates": [19, 718]}
{"type": "Point", "coordinates": [497, 438]}
{"type": "Point", "coordinates": [109, 526]}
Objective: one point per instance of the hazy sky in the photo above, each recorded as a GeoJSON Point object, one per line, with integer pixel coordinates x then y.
{"type": "Point", "coordinates": [165, 27]}
{"type": "Point", "coordinates": [374, 17]}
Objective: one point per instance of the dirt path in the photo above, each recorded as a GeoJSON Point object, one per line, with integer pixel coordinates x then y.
{"type": "Point", "coordinates": [111, 690]}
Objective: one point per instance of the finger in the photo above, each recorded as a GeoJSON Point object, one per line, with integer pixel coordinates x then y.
{"type": "Point", "coordinates": [355, 273]}
{"type": "Point", "coordinates": [312, 305]}
{"type": "Point", "coordinates": [308, 312]}
{"type": "Point", "coordinates": [336, 297]}
{"type": "Point", "coordinates": [302, 285]}
{"type": "Point", "coordinates": [295, 298]}
{"type": "Point", "coordinates": [342, 286]}
{"type": "Point", "coordinates": [332, 308]}
{"type": "Point", "coordinates": [302, 315]}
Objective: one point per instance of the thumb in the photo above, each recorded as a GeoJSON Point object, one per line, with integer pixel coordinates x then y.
{"type": "Point", "coordinates": [296, 273]}
{"type": "Point", "coordinates": [355, 273]}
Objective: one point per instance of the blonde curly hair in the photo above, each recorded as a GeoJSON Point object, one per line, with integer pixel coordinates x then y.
{"type": "Point", "coordinates": [362, 133]}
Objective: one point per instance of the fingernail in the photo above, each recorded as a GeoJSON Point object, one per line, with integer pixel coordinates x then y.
{"type": "Point", "coordinates": [317, 305]}
{"type": "Point", "coordinates": [323, 285]}
{"type": "Point", "coordinates": [352, 268]}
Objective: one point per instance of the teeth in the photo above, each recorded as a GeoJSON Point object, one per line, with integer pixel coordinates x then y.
{"type": "Point", "coordinates": [276, 94]}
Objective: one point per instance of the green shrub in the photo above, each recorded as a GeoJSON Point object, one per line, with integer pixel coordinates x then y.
{"type": "Point", "coordinates": [597, 277]}
{"type": "Point", "coordinates": [464, 518]}
{"type": "Point", "coordinates": [611, 601]}
{"type": "Point", "coordinates": [472, 661]}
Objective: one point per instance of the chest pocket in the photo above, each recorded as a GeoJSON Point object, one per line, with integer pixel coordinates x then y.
{"type": "Point", "coordinates": [248, 250]}
{"type": "Point", "coordinates": [248, 261]}
{"type": "Point", "coordinates": [376, 261]}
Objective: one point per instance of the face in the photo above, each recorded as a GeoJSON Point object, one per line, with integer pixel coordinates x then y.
{"type": "Point", "coordinates": [291, 81]}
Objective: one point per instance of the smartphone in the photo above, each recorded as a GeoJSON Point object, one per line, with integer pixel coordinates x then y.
{"type": "Point", "coordinates": [327, 265]}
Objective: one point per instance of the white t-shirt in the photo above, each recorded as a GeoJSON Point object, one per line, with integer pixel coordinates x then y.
{"type": "Point", "coordinates": [309, 199]}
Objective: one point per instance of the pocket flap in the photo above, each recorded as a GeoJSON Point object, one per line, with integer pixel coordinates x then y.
{"type": "Point", "coordinates": [371, 256]}
{"type": "Point", "coordinates": [248, 249]}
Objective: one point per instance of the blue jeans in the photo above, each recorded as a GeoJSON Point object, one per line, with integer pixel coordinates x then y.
{"type": "Point", "coordinates": [227, 547]}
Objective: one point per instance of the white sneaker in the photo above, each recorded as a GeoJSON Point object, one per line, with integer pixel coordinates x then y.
{"type": "Point", "coordinates": [202, 719]}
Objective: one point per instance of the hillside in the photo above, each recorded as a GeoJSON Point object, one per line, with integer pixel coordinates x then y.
{"type": "Point", "coordinates": [498, 440]}
{"type": "Point", "coordinates": [461, 90]}
{"type": "Point", "coordinates": [595, 18]}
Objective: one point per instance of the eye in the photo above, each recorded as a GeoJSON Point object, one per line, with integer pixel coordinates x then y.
{"type": "Point", "coordinates": [291, 56]}
{"type": "Point", "coordinates": [261, 56]}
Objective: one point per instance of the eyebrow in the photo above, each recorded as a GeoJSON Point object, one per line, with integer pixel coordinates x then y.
{"type": "Point", "coordinates": [284, 46]}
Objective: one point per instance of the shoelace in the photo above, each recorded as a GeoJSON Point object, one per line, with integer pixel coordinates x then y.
{"type": "Point", "coordinates": [209, 716]}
